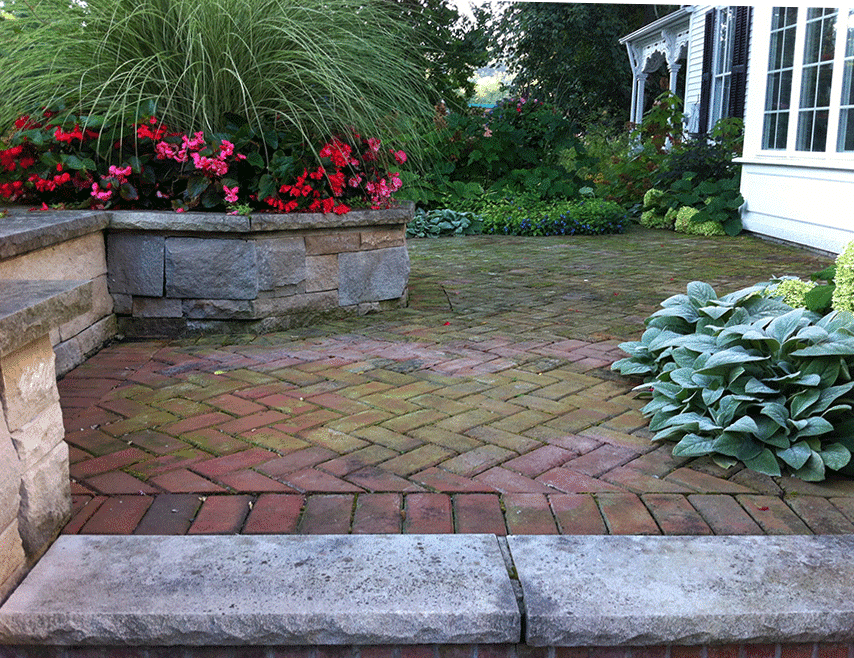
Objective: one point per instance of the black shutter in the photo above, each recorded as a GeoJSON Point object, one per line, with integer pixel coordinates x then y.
{"type": "Point", "coordinates": [706, 79]}
{"type": "Point", "coordinates": [741, 50]}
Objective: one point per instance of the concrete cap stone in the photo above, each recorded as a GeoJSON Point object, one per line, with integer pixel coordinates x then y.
{"type": "Point", "coordinates": [640, 590]}
{"type": "Point", "coordinates": [265, 590]}
{"type": "Point", "coordinates": [23, 231]}
{"type": "Point", "coordinates": [30, 309]}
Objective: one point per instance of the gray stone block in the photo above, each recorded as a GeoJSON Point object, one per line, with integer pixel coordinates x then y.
{"type": "Point", "coordinates": [135, 263]}
{"type": "Point", "coordinates": [633, 590]}
{"type": "Point", "coordinates": [201, 268]}
{"type": "Point", "coordinates": [218, 309]}
{"type": "Point", "coordinates": [265, 590]}
{"type": "Point", "coordinates": [156, 307]}
{"type": "Point", "coordinates": [281, 262]}
{"type": "Point", "coordinates": [31, 309]}
{"type": "Point", "coordinates": [372, 276]}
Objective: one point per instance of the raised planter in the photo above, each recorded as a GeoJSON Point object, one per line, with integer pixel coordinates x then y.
{"type": "Point", "coordinates": [171, 274]}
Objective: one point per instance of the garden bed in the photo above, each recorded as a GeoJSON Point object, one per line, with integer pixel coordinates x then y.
{"type": "Point", "coordinates": [192, 272]}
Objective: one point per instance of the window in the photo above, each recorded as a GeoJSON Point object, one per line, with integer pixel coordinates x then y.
{"type": "Point", "coordinates": [809, 95]}
{"type": "Point", "coordinates": [724, 76]}
{"type": "Point", "coordinates": [846, 114]}
{"type": "Point", "coordinates": [817, 74]}
{"type": "Point", "coordinates": [780, 68]}
{"type": "Point", "coordinates": [722, 63]}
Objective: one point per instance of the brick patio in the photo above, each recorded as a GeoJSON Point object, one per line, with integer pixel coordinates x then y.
{"type": "Point", "coordinates": [487, 406]}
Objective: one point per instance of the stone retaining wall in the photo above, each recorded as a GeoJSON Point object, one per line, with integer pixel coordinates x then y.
{"type": "Point", "coordinates": [173, 274]}
{"type": "Point", "coordinates": [62, 246]}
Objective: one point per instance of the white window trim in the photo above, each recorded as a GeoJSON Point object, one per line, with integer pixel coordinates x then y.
{"type": "Point", "coordinates": [754, 152]}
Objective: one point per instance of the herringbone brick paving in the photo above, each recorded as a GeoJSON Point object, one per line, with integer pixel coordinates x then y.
{"type": "Point", "coordinates": [487, 405]}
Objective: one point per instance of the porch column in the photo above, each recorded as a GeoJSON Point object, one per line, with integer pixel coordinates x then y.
{"type": "Point", "coordinates": [640, 83]}
{"type": "Point", "coordinates": [674, 72]}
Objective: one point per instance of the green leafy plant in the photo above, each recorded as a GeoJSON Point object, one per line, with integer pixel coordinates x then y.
{"type": "Point", "coordinates": [843, 292]}
{"type": "Point", "coordinates": [716, 201]}
{"type": "Point", "coordinates": [529, 216]}
{"type": "Point", "coordinates": [436, 223]}
{"type": "Point", "coordinates": [656, 212]}
{"type": "Point", "coordinates": [686, 222]}
{"type": "Point", "coordinates": [746, 378]}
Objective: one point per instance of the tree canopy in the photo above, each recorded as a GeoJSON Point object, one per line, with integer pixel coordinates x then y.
{"type": "Point", "coordinates": [569, 54]}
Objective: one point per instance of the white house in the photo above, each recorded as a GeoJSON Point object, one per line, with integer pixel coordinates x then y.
{"type": "Point", "coordinates": [788, 72]}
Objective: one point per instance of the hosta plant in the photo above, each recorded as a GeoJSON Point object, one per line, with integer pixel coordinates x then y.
{"type": "Point", "coordinates": [747, 378]}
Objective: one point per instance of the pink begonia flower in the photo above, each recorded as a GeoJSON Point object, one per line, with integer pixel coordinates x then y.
{"type": "Point", "coordinates": [179, 209]}
{"type": "Point", "coordinates": [399, 156]}
{"type": "Point", "coordinates": [230, 193]}
{"type": "Point", "coordinates": [101, 195]}
{"type": "Point", "coordinates": [374, 143]}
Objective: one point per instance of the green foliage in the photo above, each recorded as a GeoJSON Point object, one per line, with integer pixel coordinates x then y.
{"type": "Point", "coordinates": [571, 55]}
{"type": "Point", "coordinates": [436, 223]}
{"type": "Point", "coordinates": [529, 216]}
{"type": "Point", "coordinates": [791, 290]}
{"type": "Point", "coordinates": [656, 213]}
{"type": "Point", "coordinates": [449, 47]}
{"type": "Point", "coordinates": [315, 67]}
{"type": "Point", "coordinates": [686, 222]}
{"type": "Point", "coordinates": [717, 203]}
{"type": "Point", "coordinates": [746, 378]}
{"type": "Point", "coordinates": [843, 294]}
{"type": "Point", "coordinates": [516, 147]}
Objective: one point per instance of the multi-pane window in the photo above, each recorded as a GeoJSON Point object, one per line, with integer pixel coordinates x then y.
{"type": "Point", "coordinates": [722, 66]}
{"type": "Point", "coordinates": [846, 112]}
{"type": "Point", "coordinates": [817, 74]}
{"type": "Point", "coordinates": [780, 70]}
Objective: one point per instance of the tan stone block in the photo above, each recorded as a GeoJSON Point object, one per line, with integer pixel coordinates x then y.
{"type": "Point", "coordinates": [381, 238]}
{"type": "Point", "coordinates": [10, 477]}
{"type": "Point", "coordinates": [28, 382]}
{"type": "Point", "coordinates": [332, 243]}
{"type": "Point", "coordinates": [77, 259]}
{"type": "Point", "coordinates": [45, 500]}
{"type": "Point", "coordinates": [39, 437]}
{"type": "Point", "coordinates": [321, 273]}
{"type": "Point", "coordinates": [102, 305]}
{"type": "Point", "coordinates": [12, 558]}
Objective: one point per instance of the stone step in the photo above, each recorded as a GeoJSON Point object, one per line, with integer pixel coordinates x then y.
{"type": "Point", "coordinates": [265, 590]}
{"type": "Point", "coordinates": [582, 591]}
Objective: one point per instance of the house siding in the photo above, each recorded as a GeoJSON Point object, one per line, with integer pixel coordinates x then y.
{"type": "Point", "coordinates": [803, 198]}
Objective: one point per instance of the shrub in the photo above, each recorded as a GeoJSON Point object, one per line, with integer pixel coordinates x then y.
{"type": "Point", "coordinates": [791, 290]}
{"type": "Point", "coordinates": [686, 223]}
{"type": "Point", "coordinates": [656, 214]}
{"type": "Point", "coordinates": [843, 293]}
{"type": "Point", "coordinates": [524, 216]}
{"type": "Point", "coordinates": [436, 223]}
{"type": "Point", "coordinates": [516, 147]}
{"type": "Point", "coordinates": [746, 378]}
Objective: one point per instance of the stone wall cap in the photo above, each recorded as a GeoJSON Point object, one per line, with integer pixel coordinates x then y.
{"type": "Point", "coordinates": [167, 220]}
{"type": "Point", "coordinates": [30, 309]}
{"type": "Point", "coordinates": [400, 214]}
{"type": "Point", "coordinates": [635, 590]}
{"type": "Point", "coordinates": [23, 231]}
{"type": "Point", "coordinates": [265, 590]}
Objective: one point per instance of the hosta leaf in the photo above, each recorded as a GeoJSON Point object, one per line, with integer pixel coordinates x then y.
{"type": "Point", "coordinates": [827, 368]}
{"type": "Point", "coordinates": [796, 455]}
{"type": "Point", "coordinates": [682, 376]}
{"type": "Point", "coordinates": [836, 320]}
{"type": "Point", "coordinates": [738, 445]}
{"type": "Point", "coordinates": [812, 470]}
{"type": "Point", "coordinates": [835, 456]}
{"type": "Point", "coordinates": [764, 462]}
{"type": "Point", "coordinates": [729, 357]}
{"type": "Point", "coordinates": [634, 348]}
{"type": "Point", "coordinates": [780, 328]}
{"type": "Point", "coordinates": [744, 424]}
{"type": "Point", "coordinates": [800, 403]}
{"type": "Point", "coordinates": [776, 412]}
{"type": "Point", "coordinates": [755, 386]}
{"type": "Point", "coordinates": [712, 395]}
{"type": "Point", "coordinates": [663, 340]}
{"type": "Point", "coordinates": [807, 380]}
{"type": "Point", "coordinates": [670, 433]}
{"type": "Point", "coordinates": [812, 426]}
{"type": "Point", "coordinates": [685, 312]}
{"type": "Point", "coordinates": [701, 291]}
{"type": "Point", "coordinates": [715, 312]}
{"type": "Point", "coordinates": [812, 333]}
{"type": "Point", "coordinates": [696, 342]}
{"type": "Point", "coordinates": [631, 366]}
{"type": "Point", "coordinates": [684, 358]}
{"type": "Point", "coordinates": [693, 445]}
{"type": "Point", "coordinates": [827, 348]}
{"type": "Point", "coordinates": [724, 461]}
{"type": "Point", "coordinates": [829, 395]}
{"type": "Point", "coordinates": [725, 410]}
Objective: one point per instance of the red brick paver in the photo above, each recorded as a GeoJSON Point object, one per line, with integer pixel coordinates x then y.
{"type": "Point", "coordinates": [486, 406]}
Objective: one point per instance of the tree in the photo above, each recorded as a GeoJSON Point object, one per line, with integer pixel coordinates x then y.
{"type": "Point", "coordinates": [570, 54]}
{"type": "Point", "coordinates": [451, 47]}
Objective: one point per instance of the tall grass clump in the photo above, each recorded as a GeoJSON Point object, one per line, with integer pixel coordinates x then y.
{"type": "Point", "coordinates": [313, 67]}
